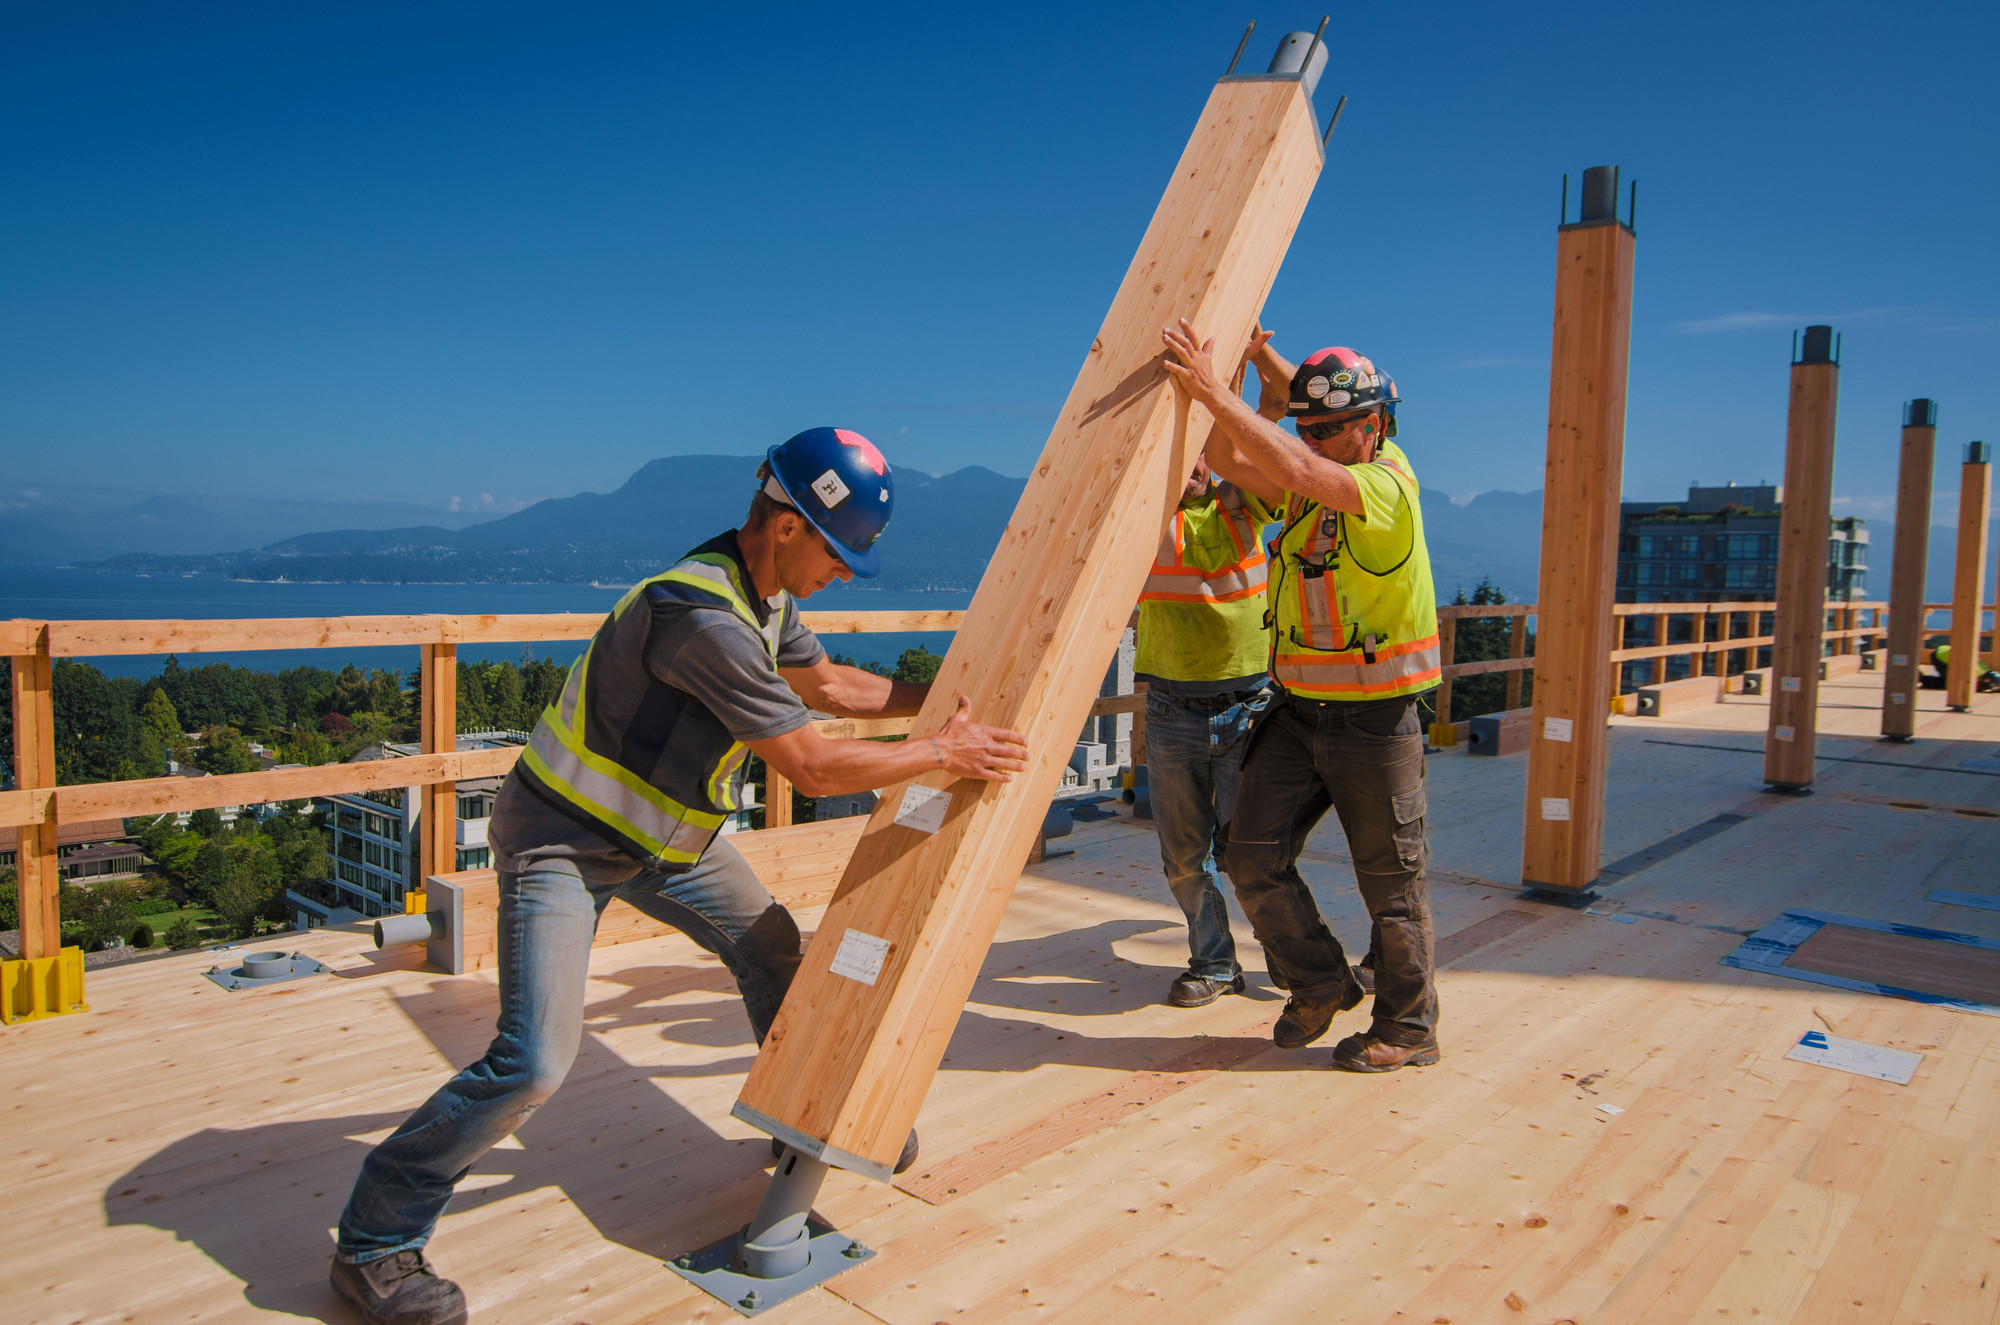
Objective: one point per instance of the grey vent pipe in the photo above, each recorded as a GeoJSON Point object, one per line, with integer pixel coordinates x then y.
{"type": "Point", "coordinates": [394, 931]}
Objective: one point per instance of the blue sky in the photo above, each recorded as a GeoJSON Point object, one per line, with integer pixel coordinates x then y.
{"type": "Point", "coordinates": [502, 252]}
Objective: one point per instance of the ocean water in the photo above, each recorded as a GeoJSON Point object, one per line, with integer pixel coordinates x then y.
{"type": "Point", "coordinates": [64, 594]}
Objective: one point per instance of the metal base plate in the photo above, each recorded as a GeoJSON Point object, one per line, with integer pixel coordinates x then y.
{"type": "Point", "coordinates": [709, 1269]}
{"type": "Point", "coordinates": [1575, 899]}
{"type": "Point", "coordinates": [233, 979]}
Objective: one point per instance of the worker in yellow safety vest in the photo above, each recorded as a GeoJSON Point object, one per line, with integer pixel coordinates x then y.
{"type": "Point", "coordinates": [1353, 637]}
{"type": "Point", "coordinates": [1201, 655]}
{"type": "Point", "coordinates": [622, 792]}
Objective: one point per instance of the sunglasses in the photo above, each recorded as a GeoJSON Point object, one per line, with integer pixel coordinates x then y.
{"type": "Point", "coordinates": [1328, 429]}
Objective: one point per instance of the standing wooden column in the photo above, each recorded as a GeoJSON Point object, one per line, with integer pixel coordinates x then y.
{"type": "Point", "coordinates": [37, 873]}
{"type": "Point", "coordinates": [856, 1044]}
{"type": "Point", "coordinates": [1968, 577]}
{"type": "Point", "coordinates": [1447, 650]}
{"type": "Point", "coordinates": [1804, 526]}
{"type": "Point", "coordinates": [1563, 837]}
{"type": "Point", "coordinates": [1517, 647]}
{"type": "Point", "coordinates": [437, 814]}
{"type": "Point", "coordinates": [777, 799]}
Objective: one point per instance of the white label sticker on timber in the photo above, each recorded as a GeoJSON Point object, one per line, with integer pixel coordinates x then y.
{"type": "Point", "coordinates": [1789, 684]}
{"type": "Point", "coordinates": [1897, 697]}
{"type": "Point", "coordinates": [1555, 807]}
{"type": "Point", "coordinates": [1611, 1109]}
{"type": "Point", "coordinates": [1558, 729]}
{"type": "Point", "coordinates": [1785, 733]}
{"type": "Point", "coordinates": [830, 489]}
{"type": "Point", "coordinates": [1899, 660]}
{"type": "Point", "coordinates": [1856, 1056]}
{"type": "Point", "coordinates": [923, 808]}
{"type": "Point", "coordinates": [860, 956]}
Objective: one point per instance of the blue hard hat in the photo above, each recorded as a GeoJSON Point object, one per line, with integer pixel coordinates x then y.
{"type": "Point", "coordinates": [841, 484]}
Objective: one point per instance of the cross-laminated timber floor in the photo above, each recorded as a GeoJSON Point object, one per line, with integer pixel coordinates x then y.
{"type": "Point", "coordinates": [178, 1153]}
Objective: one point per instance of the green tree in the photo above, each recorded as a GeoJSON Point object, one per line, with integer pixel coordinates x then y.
{"type": "Point", "coordinates": [308, 746]}
{"type": "Point", "coordinates": [245, 895]}
{"type": "Point", "coordinates": [918, 666]}
{"type": "Point", "coordinates": [98, 916]}
{"type": "Point", "coordinates": [97, 734]}
{"type": "Point", "coordinates": [183, 934]}
{"type": "Point", "coordinates": [209, 871]}
{"type": "Point", "coordinates": [205, 822]}
{"type": "Point", "coordinates": [223, 750]}
{"type": "Point", "coordinates": [1481, 639]}
{"type": "Point", "coordinates": [10, 898]}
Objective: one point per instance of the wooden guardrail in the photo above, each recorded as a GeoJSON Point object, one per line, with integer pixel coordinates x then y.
{"type": "Point", "coordinates": [37, 804]}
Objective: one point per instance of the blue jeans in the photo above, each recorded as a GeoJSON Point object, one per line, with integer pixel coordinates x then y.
{"type": "Point", "coordinates": [1365, 762]}
{"type": "Point", "coordinates": [548, 917]}
{"type": "Point", "coordinates": [1194, 756]}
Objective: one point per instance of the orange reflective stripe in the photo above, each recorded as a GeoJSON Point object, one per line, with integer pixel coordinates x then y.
{"type": "Point", "coordinates": [1399, 669]}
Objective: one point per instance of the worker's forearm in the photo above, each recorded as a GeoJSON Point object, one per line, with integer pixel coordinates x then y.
{"type": "Point", "coordinates": [836, 768]}
{"type": "Point", "coordinates": [1285, 461]}
{"type": "Point", "coordinates": [855, 693]}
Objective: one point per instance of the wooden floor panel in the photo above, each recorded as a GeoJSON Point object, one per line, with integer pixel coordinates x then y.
{"type": "Point", "coordinates": [180, 1153]}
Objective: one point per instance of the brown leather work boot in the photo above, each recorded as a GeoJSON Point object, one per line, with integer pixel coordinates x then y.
{"type": "Point", "coordinates": [1306, 1019]}
{"type": "Point", "coordinates": [399, 1290]}
{"type": "Point", "coordinates": [1365, 1053]}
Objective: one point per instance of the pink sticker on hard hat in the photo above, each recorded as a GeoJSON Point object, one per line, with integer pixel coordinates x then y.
{"type": "Point", "coordinates": [869, 455]}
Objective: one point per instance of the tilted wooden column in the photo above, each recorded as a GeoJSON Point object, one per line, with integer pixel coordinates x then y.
{"type": "Point", "coordinates": [37, 871]}
{"type": "Point", "coordinates": [846, 1067]}
{"type": "Point", "coordinates": [1575, 632]}
{"type": "Point", "coordinates": [1968, 575]}
{"type": "Point", "coordinates": [437, 816]}
{"type": "Point", "coordinates": [1906, 580]}
{"type": "Point", "coordinates": [1804, 528]}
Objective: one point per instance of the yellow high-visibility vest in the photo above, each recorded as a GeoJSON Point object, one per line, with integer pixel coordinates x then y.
{"type": "Point", "coordinates": [1201, 614]}
{"type": "Point", "coordinates": [657, 778]}
{"type": "Point", "coordinates": [1351, 610]}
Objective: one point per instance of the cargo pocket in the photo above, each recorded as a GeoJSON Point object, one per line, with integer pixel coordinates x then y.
{"type": "Point", "coordinates": [1410, 807]}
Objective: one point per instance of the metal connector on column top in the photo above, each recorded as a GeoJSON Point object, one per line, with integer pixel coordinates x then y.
{"type": "Point", "coordinates": [1978, 453]}
{"type": "Point", "coordinates": [1599, 203]}
{"type": "Point", "coordinates": [1818, 346]}
{"type": "Point", "coordinates": [1300, 55]}
{"type": "Point", "coordinates": [1920, 413]}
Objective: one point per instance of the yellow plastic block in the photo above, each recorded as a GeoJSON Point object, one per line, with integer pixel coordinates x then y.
{"type": "Point", "coordinates": [36, 987]}
{"type": "Point", "coordinates": [1444, 734]}
{"type": "Point", "coordinates": [413, 902]}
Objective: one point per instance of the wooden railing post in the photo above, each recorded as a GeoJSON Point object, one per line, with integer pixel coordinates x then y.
{"type": "Point", "coordinates": [437, 813]}
{"type": "Point", "coordinates": [777, 799]}
{"type": "Point", "coordinates": [1517, 647]}
{"type": "Point", "coordinates": [1563, 837]}
{"type": "Point", "coordinates": [1448, 652]}
{"type": "Point", "coordinates": [1661, 622]}
{"type": "Point", "coordinates": [1791, 742]}
{"type": "Point", "coordinates": [37, 871]}
{"type": "Point", "coordinates": [1968, 587]}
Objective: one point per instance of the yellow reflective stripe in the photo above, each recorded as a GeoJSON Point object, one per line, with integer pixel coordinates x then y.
{"type": "Point", "coordinates": [1408, 668]}
{"type": "Point", "coordinates": [1216, 586]}
{"type": "Point", "coordinates": [684, 841]}
{"type": "Point", "coordinates": [718, 781]}
{"type": "Point", "coordinates": [621, 787]}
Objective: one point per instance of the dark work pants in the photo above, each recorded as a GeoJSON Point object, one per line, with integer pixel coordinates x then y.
{"type": "Point", "coordinates": [1365, 761]}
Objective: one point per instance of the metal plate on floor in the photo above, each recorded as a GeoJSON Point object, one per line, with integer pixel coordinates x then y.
{"type": "Point", "coordinates": [709, 1269]}
{"type": "Point", "coordinates": [258, 970]}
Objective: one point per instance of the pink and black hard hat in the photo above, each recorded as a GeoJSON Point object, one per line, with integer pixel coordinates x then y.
{"type": "Point", "coordinates": [841, 484]}
{"type": "Point", "coordinates": [1338, 380]}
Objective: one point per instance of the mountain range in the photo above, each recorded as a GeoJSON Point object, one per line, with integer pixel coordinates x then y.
{"type": "Point", "coordinates": [944, 530]}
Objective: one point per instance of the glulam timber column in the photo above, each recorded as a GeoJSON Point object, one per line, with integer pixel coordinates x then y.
{"type": "Point", "coordinates": [1906, 581]}
{"type": "Point", "coordinates": [1575, 632]}
{"type": "Point", "coordinates": [1968, 575]}
{"type": "Point", "coordinates": [854, 1049]}
{"type": "Point", "coordinates": [36, 861]}
{"type": "Point", "coordinates": [1805, 520]}
{"type": "Point", "coordinates": [437, 813]}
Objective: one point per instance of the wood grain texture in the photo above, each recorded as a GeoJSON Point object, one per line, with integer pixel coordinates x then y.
{"type": "Point", "coordinates": [437, 802]}
{"type": "Point", "coordinates": [1792, 738]}
{"type": "Point", "coordinates": [1968, 581]}
{"type": "Point", "coordinates": [848, 1064]}
{"type": "Point", "coordinates": [1574, 631]}
{"type": "Point", "coordinates": [37, 875]}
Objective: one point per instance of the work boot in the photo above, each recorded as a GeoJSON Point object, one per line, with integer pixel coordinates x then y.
{"type": "Point", "coordinates": [1365, 1053]}
{"type": "Point", "coordinates": [903, 1161]}
{"type": "Point", "coordinates": [399, 1290]}
{"type": "Point", "coordinates": [1198, 991]}
{"type": "Point", "coordinates": [1306, 1019]}
{"type": "Point", "coordinates": [1364, 974]}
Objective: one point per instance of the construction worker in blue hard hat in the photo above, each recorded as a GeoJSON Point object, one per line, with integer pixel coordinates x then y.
{"type": "Point", "coordinates": [622, 792]}
{"type": "Point", "coordinates": [1353, 639]}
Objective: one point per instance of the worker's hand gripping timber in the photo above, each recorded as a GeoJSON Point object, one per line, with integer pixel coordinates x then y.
{"type": "Point", "coordinates": [841, 484]}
